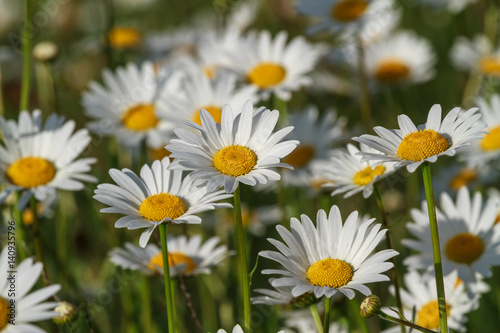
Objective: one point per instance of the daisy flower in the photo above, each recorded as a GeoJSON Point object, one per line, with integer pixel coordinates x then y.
{"type": "Point", "coordinates": [158, 196]}
{"type": "Point", "coordinates": [28, 307]}
{"type": "Point", "coordinates": [200, 92]}
{"type": "Point", "coordinates": [186, 256]}
{"type": "Point", "coordinates": [401, 58]}
{"type": "Point", "coordinates": [37, 160]}
{"type": "Point", "coordinates": [339, 15]}
{"type": "Point", "coordinates": [479, 153]}
{"type": "Point", "coordinates": [411, 146]}
{"type": "Point", "coordinates": [242, 148]}
{"type": "Point", "coordinates": [238, 329]}
{"type": "Point", "coordinates": [476, 55]}
{"type": "Point", "coordinates": [421, 297]}
{"type": "Point", "coordinates": [273, 66]}
{"type": "Point", "coordinates": [470, 242]}
{"type": "Point", "coordinates": [126, 106]}
{"type": "Point", "coordinates": [316, 135]}
{"type": "Point", "coordinates": [331, 257]}
{"type": "Point", "coordinates": [349, 175]}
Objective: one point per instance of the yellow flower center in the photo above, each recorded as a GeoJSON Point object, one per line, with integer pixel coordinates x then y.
{"type": "Point", "coordinates": [300, 156]}
{"type": "Point", "coordinates": [463, 178]}
{"type": "Point", "coordinates": [348, 10]}
{"type": "Point", "coordinates": [464, 248]}
{"type": "Point", "coordinates": [365, 176]}
{"type": "Point", "coordinates": [4, 321]}
{"type": "Point", "coordinates": [121, 37]}
{"type": "Point", "coordinates": [391, 71]}
{"type": "Point", "coordinates": [266, 74]}
{"type": "Point", "coordinates": [140, 118]}
{"type": "Point", "coordinates": [422, 144]}
{"type": "Point", "coordinates": [210, 71]}
{"type": "Point", "coordinates": [497, 220]}
{"type": "Point", "coordinates": [31, 172]}
{"type": "Point", "coordinates": [215, 111]}
{"type": "Point", "coordinates": [235, 160]}
{"type": "Point", "coordinates": [160, 206]}
{"type": "Point", "coordinates": [490, 65]}
{"type": "Point", "coordinates": [174, 258]}
{"type": "Point", "coordinates": [428, 316]}
{"type": "Point", "coordinates": [333, 273]}
{"type": "Point", "coordinates": [491, 141]}
{"type": "Point", "coordinates": [158, 153]}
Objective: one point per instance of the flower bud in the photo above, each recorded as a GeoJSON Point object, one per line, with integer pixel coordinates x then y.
{"type": "Point", "coordinates": [66, 313]}
{"type": "Point", "coordinates": [370, 306]}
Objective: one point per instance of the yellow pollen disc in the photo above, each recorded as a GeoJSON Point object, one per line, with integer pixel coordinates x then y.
{"type": "Point", "coordinates": [333, 273]}
{"type": "Point", "coordinates": [140, 118]}
{"type": "Point", "coordinates": [31, 172]}
{"type": "Point", "coordinates": [428, 316]}
{"type": "Point", "coordinates": [215, 111]}
{"type": "Point", "coordinates": [160, 206]}
{"type": "Point", "coordinates": [491, 141]}
{"type": "Point", "coordinates": [463, 178]}
{"type": "Point", "coordinates": [158, 153]}
{"type": "Point", "coordinates": [464, 248]}
{"type": "Point", "coordinates": [266, 74]}
{"type": "Point", "coordinates": [419, 145]}
{"type": "Point", "coordinates": [235, 160]}
{"type": "Point", "coordinates": [174, 258]}
{"type": "Point", "coordinates": [120, 38]}
{"type": "Point", "coordinates": [490, 65]}
{"type": "Point", "coordinates": [4, 321]}
{"type": "Point", "coordinates": [391, 71]}
{"type": "Point", "coordinates": [209, 71]}
{"type": "Point", "coordinates": [348, 10]}
{"type": "Point", "coordinates": [365, 176]}
{"type": "Point", "coordinates": [300, 156]}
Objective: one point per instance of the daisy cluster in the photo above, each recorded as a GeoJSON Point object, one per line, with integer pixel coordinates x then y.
{"type": "Point", "coordinates": [264, 157]}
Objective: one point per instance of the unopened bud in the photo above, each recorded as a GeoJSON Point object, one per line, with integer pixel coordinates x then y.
{"type": "Point", "coordinates": [66, 313]}
{"type": "Point", "coordinates": [370, 306]}
{"type": "Point", "coordinates": [45, 51]}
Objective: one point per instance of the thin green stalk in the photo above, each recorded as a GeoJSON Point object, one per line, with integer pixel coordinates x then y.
{"type": "Point", "coordinates": [36, 231]}
{"type": "Point", "coordinates": [20, 231]}
{"type": "Point", "coordinates": [326, 320]}
{"type": "Point", "coordinates": [243, 260]}
{"type": "Point", "coordinates": [394, 271]}
{"type": "Point", "coordinates": [166, 274]}
{"type": "Point", "coordinates": [1, 94]}
{"type": "Point", "coordinates": [145, 304]}
{"type": "Point", "coordinates": [363, 81]}
{"type": "Point", "coordinates": [26, 44]}
{"type": "Point", "coordinates": [354, 308]}
{"type": "Point", "coordinates": [436, 250]}
{"type": "Point", "coordinates": [404, 322]}
{"type": "Point", "coordinates": [316, 317]}
{"type": "Point", "coordinates": [280, 105]}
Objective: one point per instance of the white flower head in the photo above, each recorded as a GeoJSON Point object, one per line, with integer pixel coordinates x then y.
{"type": "Point", "coordinates": [28, 307]}
{"type": "Point", "coordinates": [469, 238]}
{"type": "Point", "coordinates": [241, 149]}
{"type": "Point", "coordinates": [158, 196]}
{"type": "Point", "coordinates": [330, 257]}
{"type": "Point", "coordinates": [37, 159]}
{"type": "Point", "coordinates": [411, 146]}
{"type": "Point", "coordinates": [238, 329]}
{"type": "Point", "coordinates": [477, 55]}
{"type": "Point", "coordinates": [349, 175]}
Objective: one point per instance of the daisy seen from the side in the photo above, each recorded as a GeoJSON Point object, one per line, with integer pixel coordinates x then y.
{"type": "Point", "coordinates": [186, 256]}
{"type": "Point", "coordinates": [36, 159]}
{"type": "Point", "coordinates": [330, 257]}
{"type": "Point", "coordinates": [28, 307]}
{"type": "Point", "coordinates": [274, 66]}
{"type": "Point", "coordinates": [469, 238]}
{"type": "Point", "coordinates": [410, 146]}
{"type": "Point", "coordinates": [241, 149]}
{"type": "Point", "coordinates": [348, 174]}
{"type": "Point", "coordinates": [477, 55]}
{"type": "Point", "coordinates": [158, 196]}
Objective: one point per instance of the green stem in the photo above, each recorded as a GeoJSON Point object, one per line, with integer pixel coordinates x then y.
{"type": "Point", "coordinates": [20, 231]}
{"type": "Point", "coordinates": [36, 231]}
{"type": "Point", "coordinates": [326, 320]}
{"type": "Point", "coordinates": [166, 275]}
{"type": "Point", "coordinates": [316, 317]}
{"type": "Point", "coordinates": [363, 81]}
{"type": "Point", "coordinates": [394, 271]}
{"type": "Point", "coordinates": [354, 308]}
{"type": "Point", "coordinates": [404, 322]}
{"type": "Point", "coordinates": [145, 304]}
{"type": "Point", "coordinates": [26, 44]}
{"type": "Point", "coordinates": [243, 260]}
{"type": "Point", "coordinates": [280, 105]}
{"type": "Point", "coordinates": [436, 250]}
{"type": "Point", "coordinates": [1, 95]}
